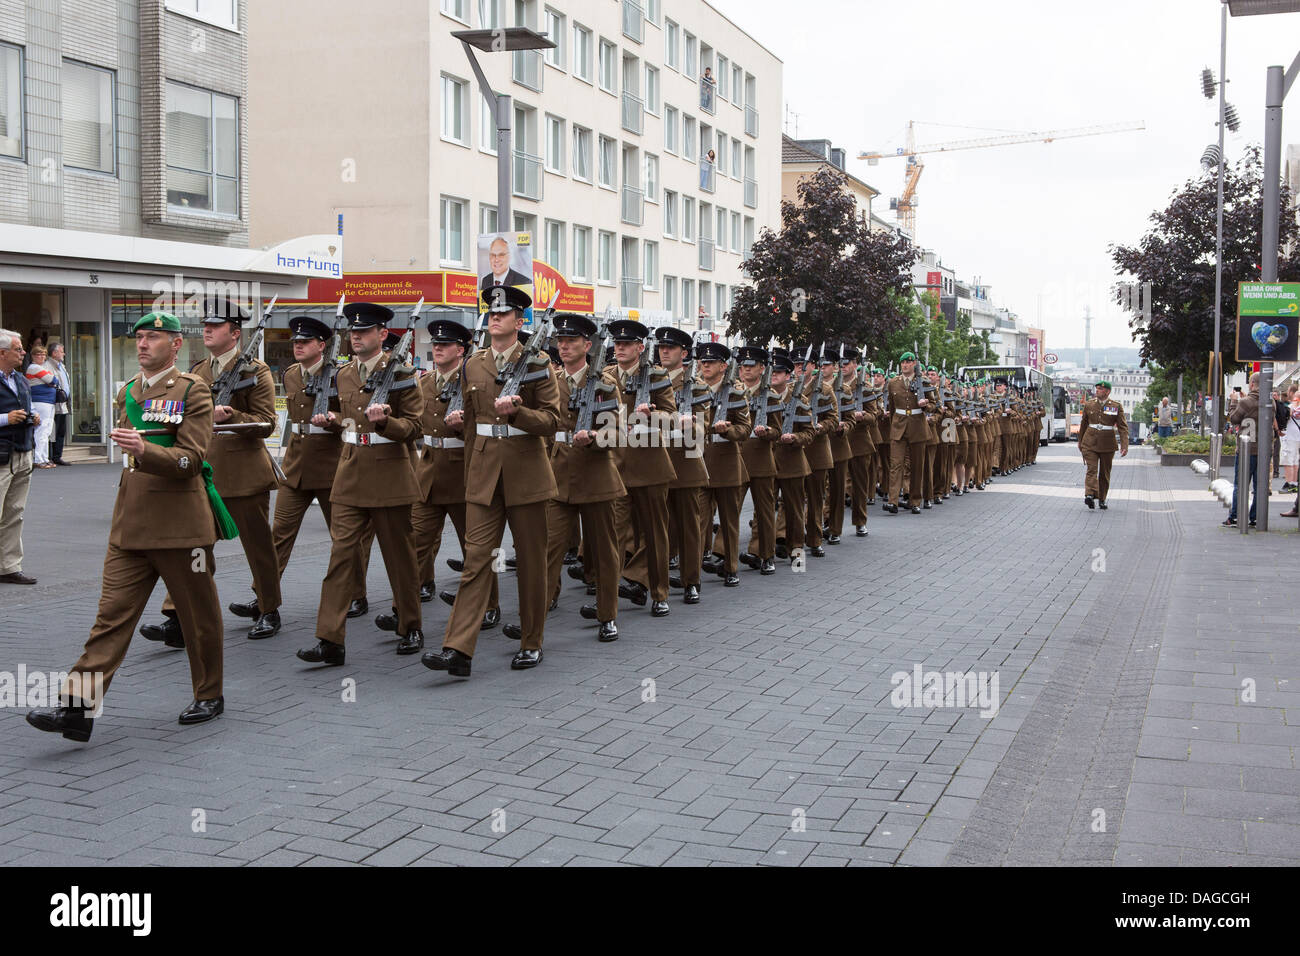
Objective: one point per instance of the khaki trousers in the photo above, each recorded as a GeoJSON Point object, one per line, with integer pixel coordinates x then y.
{"type": "Point", "coordinates": [913, 454]}
{"type": "Point", "coordinates": [646, 527]}
{"type": "Point", "coordinates": [251, 514]}
{"type": "Point", "coordinates": [836, 487]}
{"type": "Point", "coordinates": [762, 492]}
{"type": "Point", "coordinates": [392, 527]}
{"type": "Point", "coordinates": [684, 513]}
{"type": "Point", "coordinates": [15, 482]}
{"type": "Point", "coordinates": [602, 559]}
{"type": "Point", "coordinates": [815, 498]}
{"type": "Point", "coordinates": [794, 510]}
{"type": "Point", "coordinates": [1097, 480]}
{"type": "Point", "coordinates": [860, 469]}
{"type": "Point", "coordinates": [726, 542]}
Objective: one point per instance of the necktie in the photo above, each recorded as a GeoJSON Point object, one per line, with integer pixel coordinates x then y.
{"type": "Point", "coordinates": [501, 359]}
{"type": "Point", "coordinates": [498, 283]}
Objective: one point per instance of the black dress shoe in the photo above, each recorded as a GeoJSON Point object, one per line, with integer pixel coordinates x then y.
{"type": "Point", "coordinates": [358, 607]}
{"type": "Point", "coordinates": [591, 590]}
{"type": "Point", "coordinates": [16, 577]}
{"type": "Point", "coordinates": [1230, 522]}
{"type": "Point", "coordinates": [570, 556]}
{"type": "Point", "coordinates": [490, 619]}
{"type": "Point", "coordinates": [1102, 504]}
{"type": "Point", "coordinates": [523, 660]}
{"type": "Point", "coordinates": [979, 486]}
{"type": "Point", "coordinates": [832, 539]}
{"type": "Point", "coordinates": [325, 652]}
{"type": "Point", "coordinates": [201, 711]}
{"type": "Point", "coordinates": [426, 592]}
{"type": "Point", "coordinates": [447, 597]}
{"type": "Point", "coordinates": [634, 592]}
{"type": "Point", "coordinates": [892, 509]}
{"type": "Point", "coordinates": [246, 610]}
{"type": "Point", "coordinates": [1087, 500]}
{"type": "Point", "coordinates": [751, 561]}
{"type": "Point", "coordinates": [411, 642]}
{"type": "Point", "coordinates": [588, 612]}
{"type": "Point", "coordinates": [871, 501]}
{"type": "Point", "coordinates": [577, 571]}
{"type": "Point", "coordinates": [72, 722]}
{"type": "Point", "coordinates": [926, 506]}
{"type": "Point", "coordinates": [674, 581]}
{"type": "Point", "coordinates": [692, 595]}
{"type": "Point", "coordinates": [448, 659]}
{"type": "Point", "coordinates": [608, 632]}
{"type": "Point", "coordinates": [387, 622]}
{"type": "Point", "coordinates": [268, 625]}
{"type": "Point", "coordinates": [512, 631]}
{"type": "Point", "coordinates": [782, 551]}
{"type": "Point", "coordinates": [673, 563]}
{"type": "Point", "coordinates": [731, 580]}
{"type": "Point", "coordinates": [713, 565]}
{"type": "Point", "coordinates": [659, 609]}
{"type": "Point", "coordinates": [169, 632]}
{"type": "Point", "coordinates": [939, 500]}
{"type": "Point", "coordinates": [916, 510]}
{"type": "Point", "coordinates": [817, 551]}
{"type": "Point", "coordinates": [861, 531]}
{"type": "Point", "coordinates": [456, 565]}
{"type": "Point", "coordinates": [768, 567]}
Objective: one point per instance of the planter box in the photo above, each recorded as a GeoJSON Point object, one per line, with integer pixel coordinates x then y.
{"type": "Point", "coordinates": [1225, 461]}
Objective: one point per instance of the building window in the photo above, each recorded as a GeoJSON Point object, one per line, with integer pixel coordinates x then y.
{"type": "Point", "coordinates": [202, 150]}
{"type": "Point", "coordinates": [582, 252]}
{"type": "Point", "coordinates": [582, 53]}
{"type": "Point", "coordinates": [487, 218]}
{"type": "Point", "coordinates": [458, 9]}
{"type": "Point", "coordinates": [690, 56]}
{"type": "Point", "coordinates": [688, 219]}
{"type": "Point", "coordinates": [688, 303]}
{"type": "Point", "coordinates": [723, 74]}
{"type": "Point", "coordinates": [454, 127]}
{"type": "Point", "coordinates": [735, 158]}
{"type": "Point", "coordinates": [451, 244]}
{"type": "Point", "coordinates": [555, 145]}
{"type": "Point", "coordinates": [670, 295]}
{"type": "Point", "coordinates": [736, 80]}
{"type": "Point", "coordinates": [11, 101]}
{"type": "Point", "coordinates": [651, 276]}
{"type": "Point", "coordinates": [651, 177]}
{"type": "Point", "coordinates": [605, 258]}
{"type": "Point", "coordinates": [688, 138]}
{"type": "Point", "coordinates": [721, 164]}
{"type": "Point", "coordinates": [651, 90]}
{"type": "Point", "coordinates": [721, 234]}
{"type": "Point", "coordinates": [608, 68]}
{"type": "Point", "coordinates": [494, 14]}
{"type": "Point", "coordinates": [88, 115]}
{"type": "Point", "coordinates": [221, 13]}
{"type": "Point", "coordinates": [608, 165]}
{"type": "Point", "coordinates": [582, 154]}
{"type": "Point", "coordinates": [670, 214]}
{"type": "Point", "coordinates": [735, 232]}
{"type": "Point", "coordinates": [555, 33]}
{"type": "Point", "coordinates": [526, 222]}
{"type": "Point", "coordinates": [555, 245]}
{"type": "Point", "coordinates": [670, 128]}
{"type": "Point", "coordinates": [487, 128]}
{"type": "Point", "coordinates": [652, 11]}
{"type": "Point", "coordinates": [670, 43]}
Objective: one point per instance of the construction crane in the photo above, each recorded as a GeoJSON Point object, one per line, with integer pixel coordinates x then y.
{"type": "Point", "coordinates": [906, 203]}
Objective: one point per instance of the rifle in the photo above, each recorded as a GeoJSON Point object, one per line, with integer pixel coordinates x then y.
{"type": "Point", "coordinates": [518, 374]}
{"type": "Point", "coordinates": [587, 400]}
{"type": "Point", "coordinates": [321, 385]}
{"type": "Point", "coordinates": [383, 380]}
{"type": "Point", "coordinates": [758, 407]}
{"type": "Point", "coordinates": [686, 397]}
{"type": "Point", "coordinates": [838, 382]}
{"type": "Point", "coordinates": [791, 416]}
{"type": "Point", "coordinates": [231, 380]}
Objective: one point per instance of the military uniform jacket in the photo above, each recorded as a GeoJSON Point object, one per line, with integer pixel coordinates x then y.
{"type": "Point", "coordinates": [378, 474]}
{"type": "Point", "coordinates": [161, 500]}
{"type": "Point", "coordinates": [756, 451]}
{"type": "Point", "coordinates": [585, 473]}
{"type": "Point", "coordinates": [241, 464]}
{"type": "Point", "coordinates": [877, 420]}
{"type": "Point", "coordinates": [1002, 419]}
{"type": "Point", "coordinates": [820, 456]}
{"type": "Point", "coordinates": [520, 462]}
{"type": "Point", "coordinates": [310, 460]}
{"type": "Point", "coordinates": [722, 453]}
{"type": "Point", "coordinates": [907, 423]}
{"type": "Point", "coordinates": [841, 450]}
{"type": "Point", "coordinates": [439, 471]}
{"type": "Point", "coordinates": [861, 441]}
{"type": "Point", "coordinates": [791, 462]}
{"type": "Point", "coordinates": [690, 468]}
{"type": "Point", "coordinates": [647, 463]}
{"type": "Point", "coordinates": [1102, 427]}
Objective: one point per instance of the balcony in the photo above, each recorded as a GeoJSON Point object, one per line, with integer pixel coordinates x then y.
{"type": "Point", "coordinates": [707, 174]}
{"type": "Point", "coordinates": [751, 193]}
{"type": "Point", "coordinates": [528, 175]}
{"type": "Point", "coordinates": [527, 68]}
{"type": "Point", "coordinates": [708, 94]}
{"type": "Point", "coordinates": [751, 121]}
{"type": "Point", "coordinates": [630, 292]}
{"type": "Point", "coordinates": [633, 112]}
{"type": "Point", "coordinates": [633, 203]}
{"type": "Point", "coordinates": [633, 21]}
{"type": "Point", "coordinates": [706, 254]}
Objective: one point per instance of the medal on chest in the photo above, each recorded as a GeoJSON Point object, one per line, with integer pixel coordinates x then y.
{"type": "Point", "coordinates": [162, 410]}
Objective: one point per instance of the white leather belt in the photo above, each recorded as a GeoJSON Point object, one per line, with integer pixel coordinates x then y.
{"type": "Point", "coordinates": [308, 429]}
{"type": "Point", "coordinates": [366, 438]}
{"type": "Point", "coordinates": [562, 436]}
{"type": "Point", "coordinates": [1102, 428]}
{"type": "Point", "coordinates": [718, 438]}
{"type": "Point", "coordinates": [499, 431]}
{"type": "Point", "coordinates": [905, 411]}
{"type": "Point", "coordinates": [433, 442]}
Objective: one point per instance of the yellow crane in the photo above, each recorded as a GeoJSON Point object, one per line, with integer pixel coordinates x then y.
{"type": "Point", "coordinates": [906, 203]}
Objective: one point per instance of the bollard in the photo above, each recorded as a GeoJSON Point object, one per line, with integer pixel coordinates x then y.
{"type": "Point", "coordinates": [1216, 450]}
{"type": "Point", "coordinates": [1243, 484]}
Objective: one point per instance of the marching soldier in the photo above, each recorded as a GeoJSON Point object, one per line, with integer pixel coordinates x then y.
{"type": "Point", "coordinates": [686, 454]}
{"type": "Point", "coordinates": [760, 463]}
{"type": "Point", "coordinates": [908, 436]}
{"type": "Point", "coordinates": [375, 486]}
{"type": "Point", "coordinates": [729, 426]}
{"type": "Point", "coordinates": [862, 442]}
{"type": "Point", "coordinates": [841, 449]}
{"type": "Point", "coordinates": [508, 479]}
{"type": "Point", "coordinates": [879, 479]}
{"type": "Point", "coordinates": [1102, 432]}
{"type": "Point", "coordinates": [821, 459]}
{"type": "Point", "coordinates": [798, 431]}
{"type": "Point", "coordinates": [586, 479]}
{"type": "Point", "coordinates": [162, 527]}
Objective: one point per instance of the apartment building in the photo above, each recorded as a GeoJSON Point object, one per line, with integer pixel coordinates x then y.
{"type": "Point", "coordinates": [646, 146]}
{"type": "Point", "coordinates": [124, 175]}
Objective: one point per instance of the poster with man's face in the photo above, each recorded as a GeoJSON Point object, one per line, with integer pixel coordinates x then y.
{"type": "Point", "coordinates": [505, 259]}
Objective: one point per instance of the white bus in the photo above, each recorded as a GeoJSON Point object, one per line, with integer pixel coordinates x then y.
{"type": "Point", "coordinates": [1053, 397]}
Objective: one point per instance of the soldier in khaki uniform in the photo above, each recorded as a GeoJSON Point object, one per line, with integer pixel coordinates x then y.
{"type": "Point", "coordinates": [908, 435]}
{"type": "Point", "coordinates": [862, 441]}
{"type": "Point", "coordinates": [508, 479]}
{"type": "Point", "coordinates": [729, 425]}
{"type": "Point", "coordinates": [1102, 432]}
{"type": "Point", "coordinates": [375, 486]}
{"type": "Point", "coordinates": [841, 449]}
{"type": "Point", "coordinates": [162, 527]}
{"type": "Point", "coordinates": [798, 431]}
{"type": "Point", "coordinates": [686, 454]}
{"type": "Point", "coordinates": [821, 457]}
{"type": "Point", "coordinates": [760, 463]}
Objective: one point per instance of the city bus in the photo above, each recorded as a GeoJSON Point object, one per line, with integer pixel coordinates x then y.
{"type": "Point", "coordinates": [1053, 397]}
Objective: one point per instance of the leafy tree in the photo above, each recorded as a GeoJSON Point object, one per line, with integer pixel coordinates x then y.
{"type": "Point", "coordinates": [825, 276]}
{"type": "Point", "coordinates": [1163, 382]}
{"type": "Point", "coordinates": [1176, 257]}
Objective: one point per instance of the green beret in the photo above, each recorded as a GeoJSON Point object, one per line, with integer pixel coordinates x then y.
{"type": "Point", "coordinates": [162, 321]}
{"type": "Point", "coordinates": [1102, 384]}
{"type": "Point", "coordinates": [907, 357]}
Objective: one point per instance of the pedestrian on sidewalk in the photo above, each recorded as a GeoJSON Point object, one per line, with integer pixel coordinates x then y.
{"type": "Point", "coordinates": [1247, 410]}
{"type": "Point", "coordinates": [62, 401]}
{"type": "Point", "coordinates": [42, 382]}
{"type": "Point", "coordinates": [1165, 418]}
{"type": "Point", "coordinates": [1290, 451]}
{"type": "Point", "coordinates": [17, 437]}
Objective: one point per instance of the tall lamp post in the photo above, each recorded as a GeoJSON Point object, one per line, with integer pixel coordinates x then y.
{"type": "Point", "coordinates": [1276, 87]}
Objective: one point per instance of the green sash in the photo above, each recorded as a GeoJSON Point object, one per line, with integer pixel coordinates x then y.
{"type": "Point", "coordinates": [225, 524]}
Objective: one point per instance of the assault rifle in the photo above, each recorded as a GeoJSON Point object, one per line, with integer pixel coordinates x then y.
{"type": "Point", "coordinates": [321, 385]}
{"type": "Point", "coordinates": [641, 385]}
{"type": "Point", "coordinates": [384, 380]}
{"type": "Point", "coordinates": [685, 395]}
{"type": "Point", "coordinates": [791, 416]}
{"type": "Point", "coordinates": [231, 380]}
{"type": "Point", "coordinates": [758, 408]}
{"type": "Point", "coordinates": [518, 375]}
{"type": "Point", "coordinates": [588, 400]}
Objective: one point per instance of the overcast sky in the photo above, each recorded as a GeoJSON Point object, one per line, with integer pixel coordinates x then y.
{"type": "Point", "coordinates": [1031, 220]}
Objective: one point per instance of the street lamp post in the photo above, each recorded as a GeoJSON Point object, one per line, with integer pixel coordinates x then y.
{"type": "Point", "coordinates": [1217, 442]}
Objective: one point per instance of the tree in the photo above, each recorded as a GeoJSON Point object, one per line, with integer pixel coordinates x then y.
{"type": "Point", "coordinates": [1163, 382]}
{"type": "Point", "coordinates": [825, 276]}
{"type": "Point", "coordinates": [1176, 257]}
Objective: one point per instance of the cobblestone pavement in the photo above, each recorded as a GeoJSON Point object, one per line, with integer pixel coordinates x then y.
{"type": "Point", "coordinates": [1148, 682]}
